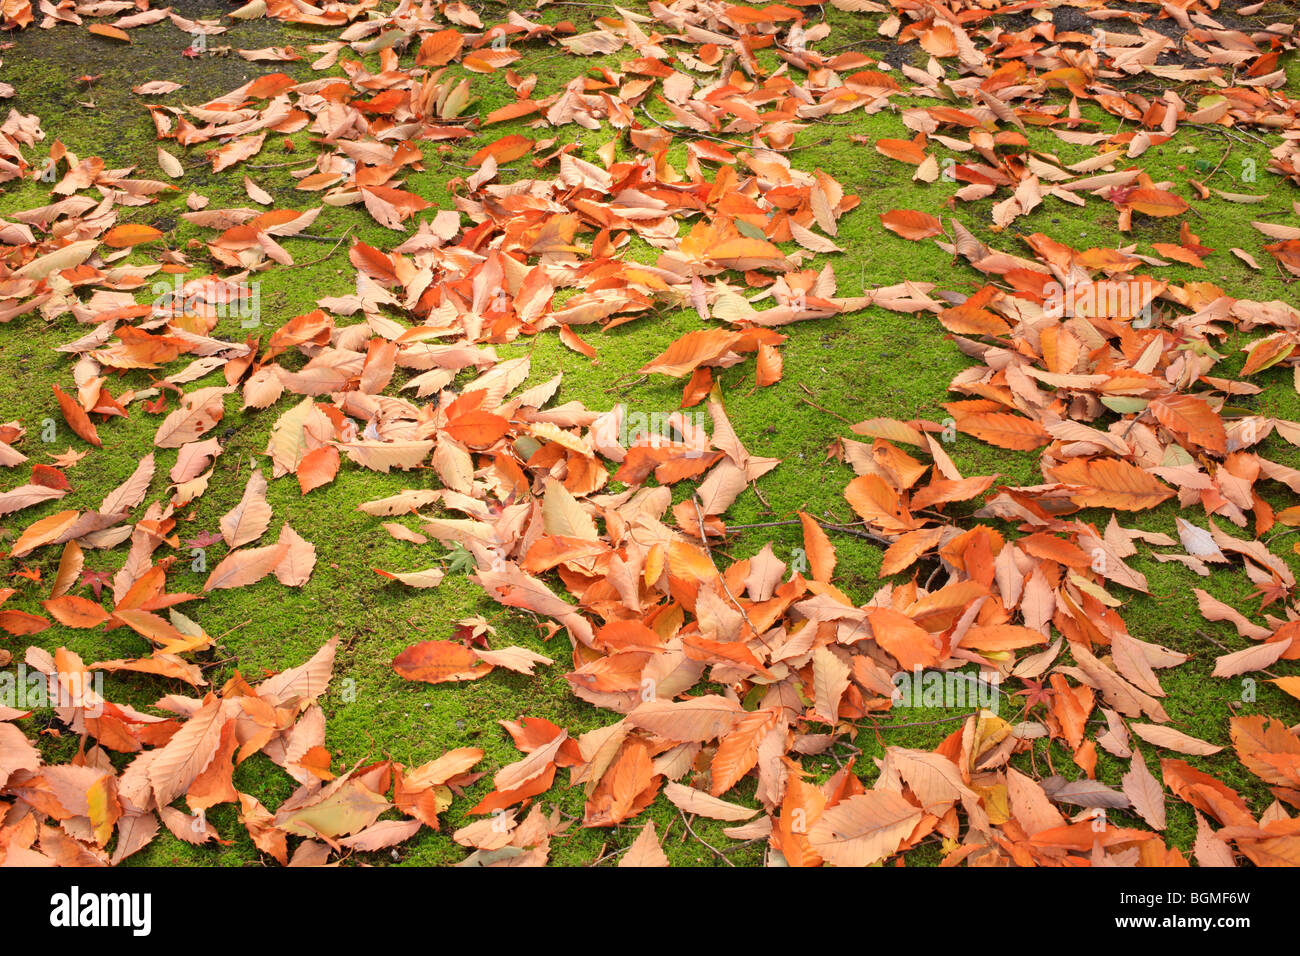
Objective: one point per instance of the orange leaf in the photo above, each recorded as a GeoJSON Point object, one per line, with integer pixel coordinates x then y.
{"type": "Point", "coordinates": [318, 467]}
{"type": "Point", "coordinates": [1205, 792]}
{"type": "Point", "coordinates": [909, 643]}
{"type": "Point", "coordinates": [1193, 417]}
{"type": "Point", "coordinates": [1171, 251]}
{"type": "Point", "coordinates": [942, 490]}
{"type": "Point", "coordinates": [505, 150]}
{"type": "Point", "coordinates": [1267, 749]}
{"type": "Point", "coordinates": [902, 554]}
{"type": "Point", "coordinates": [743, 253]}
{"type": "Point", "coordinates": [270, 85]}
{"type": "Point", "coordinates": [903, 150]}
{"type": "Point", "coordinates": [132, 234]}
{"type": "Point", "coordinates": [770, 365]}
{"type": "Point", "coordinates": [477, 427]}
{"type": "Point", "coordinates": [691, 351]}
{"type": "Point", "coordinates": [911, 224]}
{"type": "Point", "coordinates": [1000, 637]}
{"type": "Point", "coordinates": [21, 623]}
{"type": "Point", "coordinates": [878, 504]}
{"type": "Point", "coordinates": [73, 611]}
{"type": "Point", "coordinates": [697, 719]}
{"type": "Point", "coordinates": [113, 33]}
{"type": "Point", "coordinates": [42, 532]}
{"type": "Point", "coordinates": [1071, 707]}
{"type": "Point", "coordinates": [439, 49]}
{"type": "Point", "coordinates": [1110, 483]}
{"type": "Point", "coordinates": [738, 751]}
{"type": "Point", "coordinates": [77, 418]}
{"type": "Point", "coordinates": [1067, 76]}
{"type": "Point", "coordinates": [1268, 351]}
{"type": "Point", "coordinates": [1156, 202]}
{"type": "Point", "coordinates": [698, 388]}
{"type": "Point", "coordinates": [512, 111]}
{"type": "Point", "coordinates": [572, 340]}
{"type": "Point", "coordinates": [437, 662]}
{"type": "Point", "coordinates": [1004, 430]}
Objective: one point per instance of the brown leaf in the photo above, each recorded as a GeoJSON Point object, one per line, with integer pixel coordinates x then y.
{"type": "Point", "coordinates": [696, 719]}
{"type": "Point", "coordinates": [249, 519]}
{"type": "Point", "coordinates": [645, 849]}
{"type": "Point", "coordinates": [246, 566]}
{"type": "Point", "coordinates": [198, 413]}
{"type": "Point", "coordinates": [1145, 792]}
{"type": "Point", "coordinates": [911, 224]}
{"type": "Point", "coordinates": [1172, 739]}
{"type": "Point", "coordinates": [438, 662]}
{"type": "Point", "coordinates": [864, 828]}
{"type": "Point", "coordinates": [699, 802]}
{"type": "Point", "coordinates": [1109, 483]}
{"type": "Point", "coordinates": [77, 418]}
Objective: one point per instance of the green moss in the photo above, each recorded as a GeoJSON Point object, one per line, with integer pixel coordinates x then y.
{"type": "Point", "coordinates": [840, 370]}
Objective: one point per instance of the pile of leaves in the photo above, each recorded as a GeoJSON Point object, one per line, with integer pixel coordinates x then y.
{"type": "Point", "coordinates": [717, 677]}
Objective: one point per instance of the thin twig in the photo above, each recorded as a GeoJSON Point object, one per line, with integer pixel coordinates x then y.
{"type": "Point", "coordinates": [762, 524]}
{"type": "Point", "coordinates": [824, 525]}
{"type": "Point", "coordinates": [827, 411]}
{"type": "Point", "coordinates": [299, 162]}
{"type": "Point", "coordinates": [1281, 534]}
{"type": "Point", "coordinates": [347, 232]}
{"type": "Point", "coordinates": [1226, 153]}
{"type": "Point", "coordinates": [1220, 129]}
{"type": "Point", "coordinates": [741, 846]}
{"type": "Point", "coordinates": [856, 532]}
{"type": "Point", "coordinates": [627, 388]}
{"type": "Point", "coordinates": [1206, 637]}
{"type": "Point", "coordinates": [1135, 420]}
{"type": "Point", "coordinates": [233, 629]}
{"type": "Point", "coordinates": [922, 723]}
{"type": "Point", "coordinates": [608, 856]}
{"type": "Point", "coordinates": [718, 853]}
{"type": "Point", "coordinates": [313, 237]}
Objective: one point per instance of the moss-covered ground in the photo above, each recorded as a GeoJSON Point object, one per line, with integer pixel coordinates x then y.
{"type": "Point", "coordinates": [837, 371]}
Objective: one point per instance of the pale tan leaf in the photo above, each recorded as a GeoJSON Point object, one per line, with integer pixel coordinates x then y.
{"type": "Point", "coordinates": [864, 828]}
{"type": "Point", "coordinates": [249, 519]}
{"type": "Point", "coordinates": [697, 719]}
{"type": "Point", "coordinates": [1145, 792]}
{"type": "Point", "coordinates": [645, 849]}
{"type": "Point", "coordinates": [1172, 739]}
{"type": "Point", "coordinates": [701, 803]}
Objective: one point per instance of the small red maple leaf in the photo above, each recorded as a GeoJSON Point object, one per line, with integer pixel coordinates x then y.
{"type": "Point", "coordinates": [1035, 693]}
{"type": "Point", "coordinates": [203, 539]}
{"type": "Point", "coordinates": [466, 634]}
{"type": "Point", "coordinates": [190, 52]}
{"type": "Point", "coordinates": [96, 580]}
{"type": "Point", "coordinates": [1119, 195]}
{"type": "Point", "coordinates": [1274, 590]}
